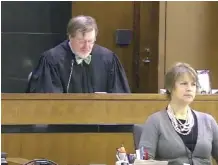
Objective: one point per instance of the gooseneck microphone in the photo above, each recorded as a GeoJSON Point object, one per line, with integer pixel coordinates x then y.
{"type": "Point", "coordinates": [71, 71]}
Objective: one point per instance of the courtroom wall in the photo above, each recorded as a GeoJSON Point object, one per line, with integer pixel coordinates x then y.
{"type": "Point", "coordinates": [188, 33]}
{"type": "Point", "coordinates": [192, 35]}
{"type": "Point", "coordinates": [28, 29]}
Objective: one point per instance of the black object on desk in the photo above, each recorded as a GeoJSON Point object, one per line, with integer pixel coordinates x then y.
{"type": "Point", "coordinates": [41, 162]}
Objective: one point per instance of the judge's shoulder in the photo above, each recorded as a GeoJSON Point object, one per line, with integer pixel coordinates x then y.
{"type": "Point", "coordinates": [97, 49]}
{"type": "Point", "coordinates": [60, 52]}
{"type": "Point", "coordinates": [57, 53]}
{"type": "Point", "coordinates": [104, 53]}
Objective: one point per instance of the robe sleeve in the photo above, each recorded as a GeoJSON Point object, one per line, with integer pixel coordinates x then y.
{"type": "Point", "coordinates": [118, 82]}
{"type": "Point", "coordinates": [45, 77]}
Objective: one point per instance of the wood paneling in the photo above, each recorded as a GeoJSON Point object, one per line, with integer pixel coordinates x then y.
{"type": "Point", "coordinates": [89, 108]}
{"type": "Point", "coordinates": [80, 148]}
{"type": "Point", "coordinates": [192, 35]}
{"type": "Point", "coordinates": [66, 148]}
{"type": "Point", "coordinates": [162, 44]}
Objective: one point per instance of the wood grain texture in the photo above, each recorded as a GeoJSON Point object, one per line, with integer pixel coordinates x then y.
{"type": "Point", "coordinates": [65, 148]}
{"type": "Point", "coordinates": [192, 36]}
{"type": "Point", "coordinates": [68, 149]}
{"type": "Point", "coordinates": [90, 108]}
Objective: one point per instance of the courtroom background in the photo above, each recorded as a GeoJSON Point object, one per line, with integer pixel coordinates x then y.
{"type": "Point", "coordinates": [64, 128]}
{"type": "Point", "coordinates": [163, 33]}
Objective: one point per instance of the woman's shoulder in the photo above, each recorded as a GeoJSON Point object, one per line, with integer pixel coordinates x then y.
{"type": "Point", "coordinates": [204, 117]}
{"type": "Point", "coordinates": [158, 116]}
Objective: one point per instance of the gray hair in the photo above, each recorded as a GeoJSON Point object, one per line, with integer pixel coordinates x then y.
{"type": "Point", "coordinates": [82, 24]}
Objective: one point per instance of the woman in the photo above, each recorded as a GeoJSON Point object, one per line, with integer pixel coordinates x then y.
{"type": "Point", "coordinates": [178, 133]}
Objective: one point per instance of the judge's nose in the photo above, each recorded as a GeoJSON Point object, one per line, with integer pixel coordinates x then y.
{"type": "Point", "coordinates": [87, 46]}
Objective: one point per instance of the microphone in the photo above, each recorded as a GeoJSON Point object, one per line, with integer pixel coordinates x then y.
{"type": "Point", "coordinates": [71, 71]}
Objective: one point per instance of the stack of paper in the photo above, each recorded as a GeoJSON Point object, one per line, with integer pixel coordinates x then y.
{"type": "Point", "coordinates": [150, 162]}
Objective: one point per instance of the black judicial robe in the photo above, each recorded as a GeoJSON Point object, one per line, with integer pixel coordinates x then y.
{"type": "Point", "coordinates": [58, 72]}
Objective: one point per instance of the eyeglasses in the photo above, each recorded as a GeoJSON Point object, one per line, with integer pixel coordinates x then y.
{"type": "Point", "coordinates": [82, 41]}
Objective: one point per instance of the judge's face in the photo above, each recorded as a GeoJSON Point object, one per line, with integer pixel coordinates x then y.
{"type": "Point", "coordinates": [82, 44]}
{"type": "Point", "coordinates": [185, 90]}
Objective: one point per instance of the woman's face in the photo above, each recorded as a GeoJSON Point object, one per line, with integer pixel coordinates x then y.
{"type": "Point", "coordinates": [184, 90]}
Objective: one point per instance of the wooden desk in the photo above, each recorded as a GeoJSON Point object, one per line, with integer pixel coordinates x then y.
{"type": "Point", "coordinates": [67, 148]}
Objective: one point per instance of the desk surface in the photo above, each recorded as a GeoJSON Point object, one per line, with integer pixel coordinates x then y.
{"type": "Point", "coordinates": [54, 96]}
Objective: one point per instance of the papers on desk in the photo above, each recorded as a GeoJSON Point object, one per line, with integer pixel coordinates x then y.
{"type": "Point", "coordinates": [101, 92]}
{"type": "Point", "coordinates": [150, 162]}
{"type": "Point", "coordinates": [17, 160]}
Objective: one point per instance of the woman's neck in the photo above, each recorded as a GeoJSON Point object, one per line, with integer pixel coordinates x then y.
{"type": "Point", "coordinates": [180, 110]}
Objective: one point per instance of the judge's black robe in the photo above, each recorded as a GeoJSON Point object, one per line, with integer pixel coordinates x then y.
{"type": "Point", "coordinates": [58, 72]}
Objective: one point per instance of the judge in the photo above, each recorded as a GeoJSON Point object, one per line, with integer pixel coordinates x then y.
{"type": "Point", "coordinates": [78, 65]}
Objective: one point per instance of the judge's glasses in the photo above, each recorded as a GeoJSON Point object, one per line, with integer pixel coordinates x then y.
{"type": "Point", "coordinates": [83, 42]}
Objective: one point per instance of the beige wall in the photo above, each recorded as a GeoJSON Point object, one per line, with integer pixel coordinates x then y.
{"type": "Point", "coordinates": [191, 35]}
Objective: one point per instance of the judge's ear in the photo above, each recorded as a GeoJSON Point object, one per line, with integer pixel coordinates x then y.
{"type": "Point", "coordinates": [69, 37]}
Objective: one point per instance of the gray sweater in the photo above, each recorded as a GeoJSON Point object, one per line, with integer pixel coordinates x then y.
{"type": "Point", "coordinates": [164, 143]}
